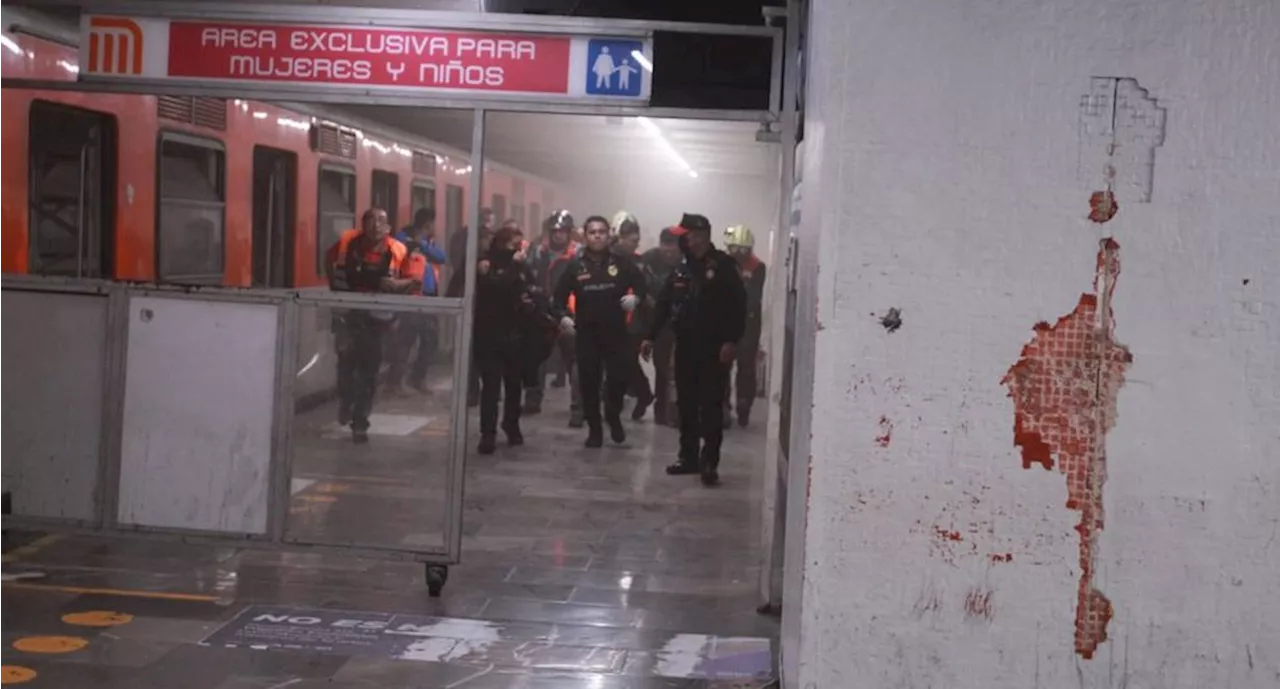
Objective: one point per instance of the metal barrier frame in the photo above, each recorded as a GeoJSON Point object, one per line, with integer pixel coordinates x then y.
{"type": "Point", "coordinates": [289, 301]}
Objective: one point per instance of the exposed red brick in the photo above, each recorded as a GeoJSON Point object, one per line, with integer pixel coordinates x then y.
{"type": "Point", "coordinates": [1064, 388]}
{"type": "Point", "coordinates": [1002, 557]}
{"type": "Point", "coordinates": [1102, 206]}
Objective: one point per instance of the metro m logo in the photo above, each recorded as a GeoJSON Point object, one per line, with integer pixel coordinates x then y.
{"type": "Point", "coordinates": [115, 46]}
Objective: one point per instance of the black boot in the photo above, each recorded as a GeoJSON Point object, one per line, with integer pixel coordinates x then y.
{"type": "Point", "coordinates": [487, 444]}
{"type": "Point", "coordinates": [686, 465]}
{"type": "Point", "coordinates": [710, 475]}
{"type": "Point", "coordinates": [514, 436]}
{"type": "Point", "coordinates": [595, 436]}
{"type": "Point", "coordinates": [642, 406]}
{"type": "Point", "coordinates": [360, 436]}
{"type": "Point", "coordinates": [576, 420]}
{"type": "Point", "coordinates": [616, 431]}
{"type": "Point", "coordinates": [744, 415]}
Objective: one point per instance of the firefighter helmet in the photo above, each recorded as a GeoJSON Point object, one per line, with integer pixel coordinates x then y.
{"type": "Point", "coordinates": [739, 236]}
{"type": "Point", "coordinates": [623, 223]}
{"type": "Point", "coordinates": [559, 220]}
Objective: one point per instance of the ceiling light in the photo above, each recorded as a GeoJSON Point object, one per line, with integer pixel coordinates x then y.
{"type": "Point", "coordinates": [644, 61]}
{"type": "Point", "coordinates": [666, 145]}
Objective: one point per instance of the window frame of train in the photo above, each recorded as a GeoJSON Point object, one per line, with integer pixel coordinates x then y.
{"type": "Point", "coordinates": [389, 181]}
{"type": "Point", "coordinates": [428, 187]}
{"type": "Point", "coordinates": [498, 204]}
{"type": "Point", "coordinates": [350, 180]}
{"type": "Point", "coordinates": [276, 270]}
{"type": "Point", "coordinates": [218, 182]}
{"type": "Point", "coordinates": [99, 262]}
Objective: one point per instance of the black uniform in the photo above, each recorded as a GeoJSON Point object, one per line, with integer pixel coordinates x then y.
{"type": "Point", "coordinates": [705, 302]}
{"type": "Point", "coordinates": [503, 306]}
{"type": "Point", "coordinates": [744, 380]}
{"type": "Point", "coordinates": [598, 284]}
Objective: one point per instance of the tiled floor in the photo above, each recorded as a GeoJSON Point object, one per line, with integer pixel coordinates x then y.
{"type": "Point", "coordinates": [581, 568]}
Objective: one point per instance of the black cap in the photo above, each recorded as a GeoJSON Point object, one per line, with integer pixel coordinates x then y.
{"type": "Point", "coordinates": [692, 222]}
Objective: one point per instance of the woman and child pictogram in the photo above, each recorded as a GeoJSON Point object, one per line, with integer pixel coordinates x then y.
{"type": "Point", "coordinates": [604, 69]}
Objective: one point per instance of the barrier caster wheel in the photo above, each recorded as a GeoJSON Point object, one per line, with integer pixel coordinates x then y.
{"type": "Point", "coordinates": [437, 575]}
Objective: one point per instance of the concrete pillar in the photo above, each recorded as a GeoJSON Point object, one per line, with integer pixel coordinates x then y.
{"type": "Point", "coordinates": [1040, 267]}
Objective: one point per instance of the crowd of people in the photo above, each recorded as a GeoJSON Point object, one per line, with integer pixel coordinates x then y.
{"type": "Point", "coordinates": [580, 304]}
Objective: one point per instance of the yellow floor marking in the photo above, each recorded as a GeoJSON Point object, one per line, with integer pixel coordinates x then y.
{"type": "Point", "coordinates": [16, 674]}
{"type": "Point", "coordinates": [128, 593]}
{"type": "Point", "coordinates": [18, 554]}
{"type": "Point", "coordinates": [97, 618]}
{"type": "Point", "coordinates": [50, 644]}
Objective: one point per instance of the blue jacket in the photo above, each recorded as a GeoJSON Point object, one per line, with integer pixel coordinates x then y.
{"type": "Point", "coordinates": [435, 256]}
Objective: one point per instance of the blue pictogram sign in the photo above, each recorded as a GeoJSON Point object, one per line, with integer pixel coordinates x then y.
{"type": "Point", "coordinates": [613, 68]}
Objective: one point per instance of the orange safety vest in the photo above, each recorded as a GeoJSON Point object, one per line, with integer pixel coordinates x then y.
{"type": "Point", "coordinates": [387, 256]}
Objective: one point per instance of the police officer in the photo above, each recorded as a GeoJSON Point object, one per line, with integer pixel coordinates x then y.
{"type": "Point", "coordinates": [606, 287]}
{"type": "Point", "coordinates": [549, 260]}
{"type": "Point", "coordinates": [366, 259]}
{"type": "Point", "coordinates": [740, 244]}
{"type": "Point", "coordinates": [706, 304]}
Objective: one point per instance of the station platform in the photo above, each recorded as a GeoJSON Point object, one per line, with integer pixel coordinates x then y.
{"type": "Point", "coordinates": [580, 568]}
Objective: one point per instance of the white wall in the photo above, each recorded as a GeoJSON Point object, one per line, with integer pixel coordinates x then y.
{"type": "Point", "coordinates": [941, 178]}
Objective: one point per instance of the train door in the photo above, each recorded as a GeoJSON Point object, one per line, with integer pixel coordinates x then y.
{"type": "Point", "coordinates": [274, 182]}
{"type": "Point", "coordinates": [535, 221]}
{"type": "Point", "coordinates": [517, 214]}
{"type": "Point", "coordinates": [386, 195]}
{"type": "Point", "coordinates": [422, 195]}
{"type": "Point", "coordinates": [71, 191]}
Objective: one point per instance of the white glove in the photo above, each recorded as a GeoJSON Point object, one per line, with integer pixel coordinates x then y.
{"type": "Point", "coordinates": [566, 326]}
{"type": "Point", "coordinates": [629, 302]}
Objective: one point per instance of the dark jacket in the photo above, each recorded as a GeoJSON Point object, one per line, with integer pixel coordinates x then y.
{"type": "Point", "coordinates": [598, 285]}
{"type": "Point", "coordinates": [502, 310]}
{"type": "Point", "coordinates": [655, 271]}
{"type": "Point", "coordinates": [705, 302]}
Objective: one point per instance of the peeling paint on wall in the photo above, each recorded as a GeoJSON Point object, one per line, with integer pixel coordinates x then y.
{"type": "Point", "coordinates": [1064, 388]}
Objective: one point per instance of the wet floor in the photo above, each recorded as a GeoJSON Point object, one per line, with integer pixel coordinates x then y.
{"type": "Point", "coordinates": [580, 568]}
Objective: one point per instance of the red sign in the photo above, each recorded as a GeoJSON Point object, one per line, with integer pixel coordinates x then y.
{"type": "Point", "coordinates": [369, 57]}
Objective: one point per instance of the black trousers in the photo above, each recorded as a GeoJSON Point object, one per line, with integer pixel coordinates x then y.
{"type": "Point", "coordinates": [358, 339]}
{"type": "Point", "coordinates": [500, 368]}
{"type": "Point", "coordinates": [602, 355]}
{"type": "Point", "coordinates": [700, 386]}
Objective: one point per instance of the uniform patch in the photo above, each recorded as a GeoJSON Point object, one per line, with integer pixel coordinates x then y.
{"type": "Point", "coordinates": [583, 277]}
{"type": "Point", "coordinates": [710, 273]}
{"type": "Point", "coordinates": [613, 271]}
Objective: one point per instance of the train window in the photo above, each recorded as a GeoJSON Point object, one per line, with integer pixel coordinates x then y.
{"type": "Point", "coordinates": [337, 211]}
{"type": "Point", "coordinates": [500, 207]}
{"type": "Point", "coordinates": [386, 194]}
{"type": "Point", "coordinates": [192, 209]}
{"type": "Point", "coordinates": [422, 195]}
{"type": "Point", "coordinates": [71, 201]}
{"type": "Point", "coordinates": [517, 214]}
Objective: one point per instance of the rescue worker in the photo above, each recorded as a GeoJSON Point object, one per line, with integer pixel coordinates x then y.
{"type": "Point", "coordinates": [549, 263]}
{"type": "Point", "coordinates": [740, 244]}
{"type": "Point", "coordinates": [423, 262]}
{"type": "Point", "coordinates": [657, 264]}
{"type": "Point", "coordinates": [503, 301]}
{"type": "Point", "coordinates": [705, 303]}
{"type": "Point", "coordinates": [606, 287]}
{"type": "Point", "coordinates": [367, 259]}
{"type": "Point", "coordinates": [626, 242]}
